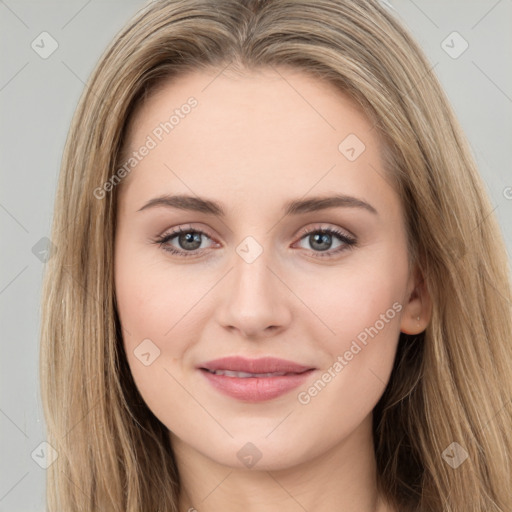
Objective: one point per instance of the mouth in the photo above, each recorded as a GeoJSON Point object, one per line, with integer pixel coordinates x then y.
{"type": "Point", "coordinates": [246, 375]}
{"type": "Point", "coordinates": [254, 380]}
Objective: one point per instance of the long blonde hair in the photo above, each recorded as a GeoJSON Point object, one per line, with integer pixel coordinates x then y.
{"type": "Point", "coordinates": [452, 383]}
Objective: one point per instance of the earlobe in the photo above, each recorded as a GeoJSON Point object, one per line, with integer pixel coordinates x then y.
{"type": "Point", "coordinates": [418, 308]}
{"type": "Point", "coordinates": [411, 325]}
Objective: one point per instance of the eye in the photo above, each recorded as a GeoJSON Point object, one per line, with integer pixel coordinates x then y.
{"type": "Point", "coordinates": [183, 242]}
{"type": "Point", "coordinates": [322, 240]}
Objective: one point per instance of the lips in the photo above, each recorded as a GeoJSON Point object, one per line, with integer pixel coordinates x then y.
{"type": "Point", "coordinates": [245, 375]}
{"type": "Point", "coordinates": [254, 380]}
{"type": "Point", "coordinates": [264, 365]}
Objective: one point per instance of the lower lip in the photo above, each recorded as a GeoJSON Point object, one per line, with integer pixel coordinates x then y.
{"type": "Point", "coordinates": [256, 389]}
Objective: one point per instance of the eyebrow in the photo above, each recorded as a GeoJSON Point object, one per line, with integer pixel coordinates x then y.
{"type": "Point", "coordinates": [295, 207]}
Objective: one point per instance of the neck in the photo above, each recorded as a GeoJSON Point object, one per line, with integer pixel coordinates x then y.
{"type": "Point", "coordinates": [343, 479]}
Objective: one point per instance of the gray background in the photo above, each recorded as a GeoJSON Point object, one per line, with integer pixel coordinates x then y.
{"type": "Point", "coordinates": [38, 97]}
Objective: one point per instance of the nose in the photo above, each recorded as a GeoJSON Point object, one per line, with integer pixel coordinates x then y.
{"type": "Point", "coordinates": [254, 301]}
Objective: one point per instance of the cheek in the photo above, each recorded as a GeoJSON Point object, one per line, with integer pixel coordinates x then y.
{"type": "Point", "coordinates": [357, 297]}
{"type": "Point", "coordinates": [159, 325]}
{"type": "Point", "coordinates": [362, 307]}
{"type": "Point", "coordinates": [162, 311]}
{"type": "Point", "coordinates": [155, 301]}
{"type": "Point", "coordinates": [150, 305]}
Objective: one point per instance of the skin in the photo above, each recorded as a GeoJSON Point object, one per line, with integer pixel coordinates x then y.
{"type": "Point", "coordinates": [255, 141]}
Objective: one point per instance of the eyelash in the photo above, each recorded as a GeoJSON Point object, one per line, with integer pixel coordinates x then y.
{"type": "Point", "coordinates": [348, 242]}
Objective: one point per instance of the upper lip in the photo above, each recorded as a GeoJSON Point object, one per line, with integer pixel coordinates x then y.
{"type": "Point", "coordinates": [261, 365]}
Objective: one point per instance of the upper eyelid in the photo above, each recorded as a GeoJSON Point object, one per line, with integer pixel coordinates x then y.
{"type": "Point", "coordinates": [314, 229]}
{"type": "Point", "coordinates": [180, 229]}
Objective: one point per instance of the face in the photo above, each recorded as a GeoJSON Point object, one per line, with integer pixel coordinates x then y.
{"type": "Point", "coordinates": [286, 251]}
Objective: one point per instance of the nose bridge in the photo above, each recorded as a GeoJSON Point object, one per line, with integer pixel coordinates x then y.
{"type": "Point", "coordinates": [252, 275]}
{"type": "Point", "coordinates": [252, 278]}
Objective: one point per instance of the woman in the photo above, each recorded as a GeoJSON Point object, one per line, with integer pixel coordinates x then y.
{"type": "Point", "coordinates": [283, 286]}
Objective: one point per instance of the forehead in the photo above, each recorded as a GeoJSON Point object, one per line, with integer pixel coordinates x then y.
{"type": "Point", "coordinates": [262, 132]}
{"type": "Point", "coordinates": [268, 101]}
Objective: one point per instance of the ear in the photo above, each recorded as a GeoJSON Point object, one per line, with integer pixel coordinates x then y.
{"type": "Point", "coordinates": [417, 309]}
